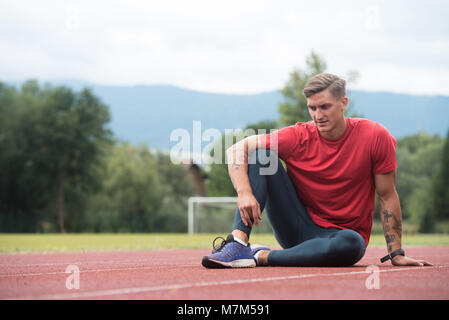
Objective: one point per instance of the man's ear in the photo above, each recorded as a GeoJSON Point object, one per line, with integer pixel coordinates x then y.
{"type": "Point", "coordinates": [344, 102]}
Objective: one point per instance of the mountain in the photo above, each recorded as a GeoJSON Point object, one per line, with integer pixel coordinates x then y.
{"type": "Point", "coordinates": [404, 114]}
{"type": "Point", "coordinates": [149, 113]}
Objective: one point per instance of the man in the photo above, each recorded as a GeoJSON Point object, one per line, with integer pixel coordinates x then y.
{"type": "Point", "coordinates": [322, 210]}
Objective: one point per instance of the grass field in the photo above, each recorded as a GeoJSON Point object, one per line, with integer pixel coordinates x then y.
{"type": "Point", "coordinates": [47, 243]}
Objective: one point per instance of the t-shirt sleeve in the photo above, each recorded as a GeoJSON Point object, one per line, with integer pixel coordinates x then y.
{"type": "Point", "coordinates": [283, 141]}
{"type": "Point", "coordinates": [383, 151]}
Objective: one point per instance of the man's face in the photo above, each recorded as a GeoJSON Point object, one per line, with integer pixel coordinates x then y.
{"type": "Point", "coordinates": [327, 111]}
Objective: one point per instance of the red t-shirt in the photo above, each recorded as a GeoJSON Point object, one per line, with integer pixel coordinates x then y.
{"type": "Point", "coordinates": [335, 179]}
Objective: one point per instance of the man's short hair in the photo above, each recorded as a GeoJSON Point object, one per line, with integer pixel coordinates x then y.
{"type": "Point", "coordinates": [323, 81]}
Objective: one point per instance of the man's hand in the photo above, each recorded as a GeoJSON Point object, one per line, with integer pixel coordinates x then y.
{"type": "Point", "coordinates": [249, 209]}
{"type": "Point", "coordinates": [407, 261]}
{"type": "Point", "coordinates": [237, 157]}
{"type": "Point", "coordinates": [391, 217]}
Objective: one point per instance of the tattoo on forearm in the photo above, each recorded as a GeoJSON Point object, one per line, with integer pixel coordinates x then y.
{"type": "Point", "coordinates": [390, 227]}
{"type": "Point", "coordinates": [239, 157]}
{"type": "Point", "coordinates": [235, 166]}
{"type": "Point", "coordinates": [236, 160]}
{"type": "Point", "coordinates": [397, 226]}
{"type": "Point", "coordinates": [390, 238]}
{"type": "Point", "coordinates": [387, 215]}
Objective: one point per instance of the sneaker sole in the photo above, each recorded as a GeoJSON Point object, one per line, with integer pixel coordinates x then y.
{"type": "Point", "coordinates": [215, 264]}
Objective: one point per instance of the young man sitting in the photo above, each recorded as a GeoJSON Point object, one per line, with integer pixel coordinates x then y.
{"type": "Point", "coordinates": [321, 209]}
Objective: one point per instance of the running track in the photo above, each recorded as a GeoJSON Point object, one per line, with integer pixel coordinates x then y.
{"type": "Point", "coordinates": [171, 274]}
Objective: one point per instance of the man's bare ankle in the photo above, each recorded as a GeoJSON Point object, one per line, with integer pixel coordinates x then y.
{"type": "Point", "coordinates": [262, 259]}
{"type": "Point", "coordinates": [239, 234]}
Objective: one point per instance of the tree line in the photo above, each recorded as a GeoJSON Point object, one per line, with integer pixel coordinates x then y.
{"type": "Point", "coordinates": [62, 169]}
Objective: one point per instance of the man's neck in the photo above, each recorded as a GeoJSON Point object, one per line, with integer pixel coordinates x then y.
{"type": "Point", "coordinates": [337, 133]}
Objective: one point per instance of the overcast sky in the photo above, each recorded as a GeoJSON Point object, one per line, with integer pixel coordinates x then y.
{"type": "Point", "coordinates": [227, 46]}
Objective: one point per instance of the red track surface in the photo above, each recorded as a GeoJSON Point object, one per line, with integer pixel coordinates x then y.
{"type": "Point", "coordinates": [173, 274]}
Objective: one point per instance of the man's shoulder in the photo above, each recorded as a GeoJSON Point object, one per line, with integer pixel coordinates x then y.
{"type": "Point", "coordinates": [362, 122]}
{"type": "Point", "coordinates": [367, 125]}
{"type": "Point", "coordinates": [298, 128]}
{"type": "Point", "coordinates": [298, 133]}
{"type": "Point", "coordinates": [306, 126]}
{"type": "Point", "coordinates": [306, 130]}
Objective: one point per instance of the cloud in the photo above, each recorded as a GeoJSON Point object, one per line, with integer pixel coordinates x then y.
{"type": "Point", "coordinates": [225, 46]}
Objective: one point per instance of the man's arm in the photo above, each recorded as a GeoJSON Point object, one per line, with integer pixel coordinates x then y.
{"type": "Point", "coordinates": [391, 217]}
{"type": "Point", "coordinates": [237, 157]}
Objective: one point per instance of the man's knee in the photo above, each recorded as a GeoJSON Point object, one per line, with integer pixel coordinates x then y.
{"type": "Point", "coordinates": [349, 247]}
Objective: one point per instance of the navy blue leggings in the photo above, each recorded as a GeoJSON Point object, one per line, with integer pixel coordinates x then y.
{"type": "Point", "coordinates": [304, 243]}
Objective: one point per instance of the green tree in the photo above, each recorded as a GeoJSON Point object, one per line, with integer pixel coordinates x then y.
{"type": "Point", "coordinates": [51, 142]}
{"type": "Point", "coordinates": [141, 191]}
{"type": "Point", "coordinates": [417, 157]}
{"type": "Point", "coordinates": [132, 187]}
{"type": "Point", "coordinates": [72, 126]}
{"type": "Point", "coordinates": [178, 186]}
{"type": "Point", "coordinates": [24, 186]}
{"type": "Point", "coordinates": [441, 184]}
{"type": "Point", "coordinates": [218, 183]}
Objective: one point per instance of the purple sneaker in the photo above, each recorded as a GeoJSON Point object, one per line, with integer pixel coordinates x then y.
{"type": "Point", "coordinates": [256, 248]}
{"type": "Point", "coordinates": [230, 254]}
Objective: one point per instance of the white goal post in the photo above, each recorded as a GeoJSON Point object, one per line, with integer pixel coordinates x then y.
{"type": "Point", "coordinates": [193, 200]}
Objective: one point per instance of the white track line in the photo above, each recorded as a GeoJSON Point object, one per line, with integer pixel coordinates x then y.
{"type": "Point", "coordinates": [96, 270]}
{"type": "Point", "coordinates": [18, 265]}
{"type": "Point", "coordinates": [124, 291]}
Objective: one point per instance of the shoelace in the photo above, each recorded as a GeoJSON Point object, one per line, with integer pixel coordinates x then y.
{"type": "Point", "coordinates": [221, 246]}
